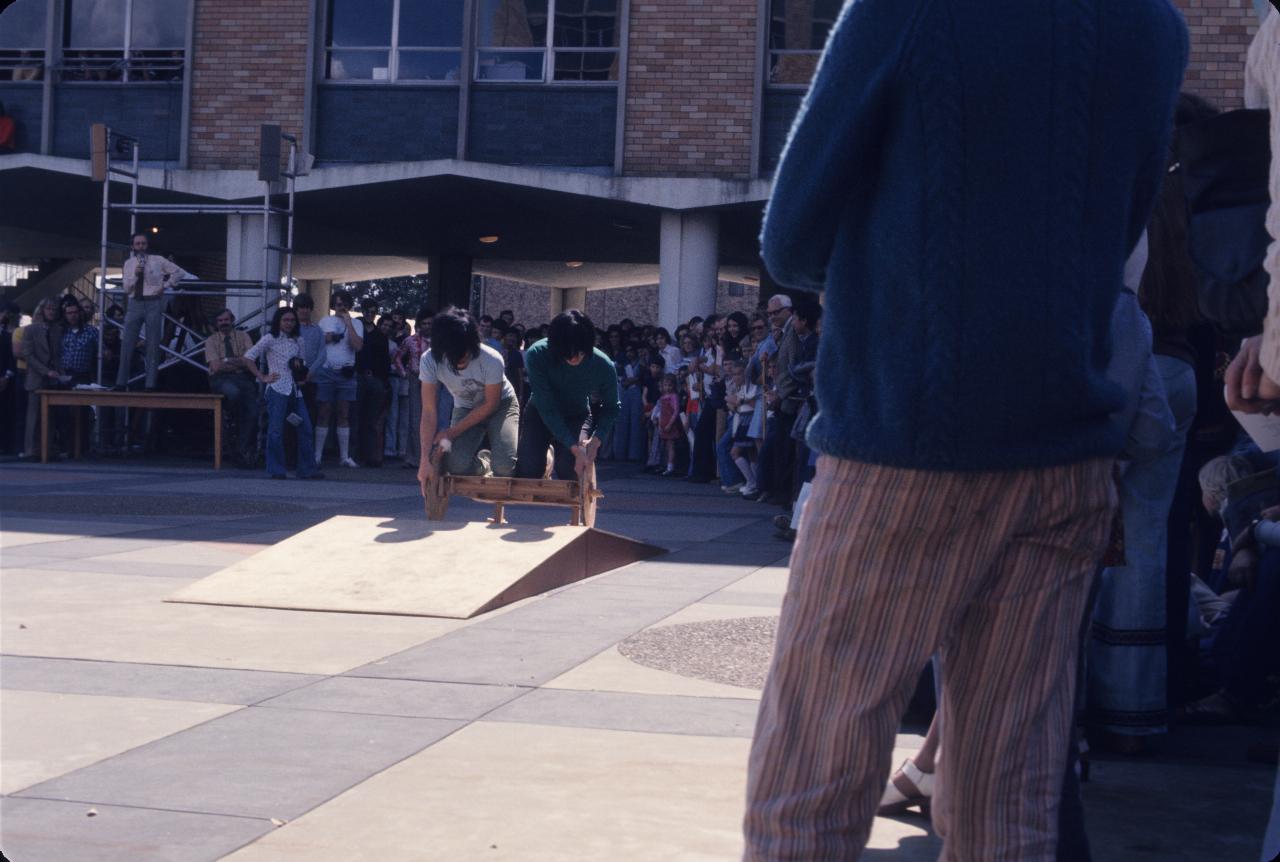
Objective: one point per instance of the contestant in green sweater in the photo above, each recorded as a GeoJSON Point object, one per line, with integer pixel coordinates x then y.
{"type": "Point", "coordinates": [567, 376]}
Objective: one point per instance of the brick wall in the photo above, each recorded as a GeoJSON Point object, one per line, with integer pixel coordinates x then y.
{"type": "Point", "coordinates": [1220, 34]}
{"type": "Point", "coordinates": [690, 83]}
{"type": "Point", "coordinates": [249, 67]}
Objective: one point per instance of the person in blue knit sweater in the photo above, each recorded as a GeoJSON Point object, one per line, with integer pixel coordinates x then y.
{"type": "Point", "coordinates": [964, 181]}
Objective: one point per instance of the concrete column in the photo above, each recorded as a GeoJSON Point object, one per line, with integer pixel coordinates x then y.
{"type": "Point", "coordinates": [575, 297]}
{"type": "Point", "coordinates": [249, 260]}
{"type": "Point", "coordinates": [319, 290]}
{"type": "Point", "coordinates": [449, 281]}
{"type": "Point", "coordinates": [688, 266]}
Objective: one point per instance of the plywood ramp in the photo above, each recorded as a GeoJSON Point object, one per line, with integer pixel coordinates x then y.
{"type": "Point", "coordinates": [415, 568]}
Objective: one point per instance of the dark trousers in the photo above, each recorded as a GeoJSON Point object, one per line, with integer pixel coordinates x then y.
{"type": "Point", "coordinates": [240, 397]}
{"type": "Point", "coordinates": [535, 437]}
{"type": "Point", "coordinates": [373, 396]}
{"type": "Point", "coordinates": [703, 459]}
{"type": "Point", "coordinates": [1247, 649]}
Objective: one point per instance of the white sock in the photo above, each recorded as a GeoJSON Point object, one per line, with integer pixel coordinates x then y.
{"type": "Point", "coordinates": [344, 442]}
{"type": "Point", "coordinates": [747, 470]}
{"type": "Point", "coordinates": [671, 468]}
{"type": "Point", "coordinates": [322, 434]}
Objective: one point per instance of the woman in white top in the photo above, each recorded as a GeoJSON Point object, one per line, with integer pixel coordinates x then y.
{"type": "Point", "coordinates": [284, 402]}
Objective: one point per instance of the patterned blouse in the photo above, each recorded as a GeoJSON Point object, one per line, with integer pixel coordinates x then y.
{"type": "Point", "coordinates": [279, 350]}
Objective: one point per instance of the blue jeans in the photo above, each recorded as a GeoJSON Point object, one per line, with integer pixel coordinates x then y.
{"type": "Point", "coordinates": [629, 431]}
{"type": "Point", "coordinates": [1128, 660]}
{"type": "Point", "coordinates": [278, 407]}
{"type": "Point", "coordinates": [729, 472]}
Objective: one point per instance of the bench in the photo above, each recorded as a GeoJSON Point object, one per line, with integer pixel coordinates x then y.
{"type": "Point", "coordinates": [579, 495]}
{"type": "Point", "coordinates": [146, 400]}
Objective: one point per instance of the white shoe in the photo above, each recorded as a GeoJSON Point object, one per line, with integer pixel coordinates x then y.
{"type": "Point", "coordinates": [907, 788]}
{"type": "Point", "coordinates": [732, 489]}
{"type": "Point", "coordinates": [748, 488]}
{"type": "Point", "coordinates": [348, 462]}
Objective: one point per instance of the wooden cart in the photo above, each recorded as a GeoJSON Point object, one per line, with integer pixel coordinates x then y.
{"type": "Point", "coordinates": [579, 495]}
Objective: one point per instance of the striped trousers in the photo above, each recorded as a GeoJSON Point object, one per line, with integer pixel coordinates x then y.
{"type": "Point", "coordinates": [990, 570]}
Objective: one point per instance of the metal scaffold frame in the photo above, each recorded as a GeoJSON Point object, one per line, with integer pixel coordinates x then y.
{"type": "Point", "coordinates": [117, 155]}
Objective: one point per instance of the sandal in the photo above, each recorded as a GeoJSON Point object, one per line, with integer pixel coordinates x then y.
{"type": "Point", "coordinates": [907, 788]}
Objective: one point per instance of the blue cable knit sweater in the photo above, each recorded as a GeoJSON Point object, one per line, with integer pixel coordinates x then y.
{"type": "Point", "coordinates": [965, 180]}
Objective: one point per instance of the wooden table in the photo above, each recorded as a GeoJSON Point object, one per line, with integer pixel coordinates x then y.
{"type": "Point", "coordinates": [146, 400]}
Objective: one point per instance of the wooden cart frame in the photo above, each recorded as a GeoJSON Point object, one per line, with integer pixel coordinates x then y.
{"type": "Point", "coordinates": [580, 495]}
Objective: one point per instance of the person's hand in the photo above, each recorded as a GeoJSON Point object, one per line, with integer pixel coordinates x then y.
{"type": "Point", "coordinates": [51, 374]}
{"type": "Point", "coordinates": [270, 378]}
{"type": "Point", "coordinates": [426, 473]}
{"type": "Point", "coordinates": [584, 454]}
{"type": "Point", "coordinates": [442, 436]}
{"type": "Point", "coordinates": [1249, 389]}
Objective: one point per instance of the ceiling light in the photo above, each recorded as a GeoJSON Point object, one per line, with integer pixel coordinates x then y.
{"type": "Point", "coordinates": [489, 240]}
{"type": "Point", "coordinates": [155, 229]}
{"type": "Point", "coordinates": [573, 264]}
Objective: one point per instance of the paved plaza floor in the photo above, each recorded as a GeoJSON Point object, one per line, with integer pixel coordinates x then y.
{"type": "Point", "coordinates": [607, 720]}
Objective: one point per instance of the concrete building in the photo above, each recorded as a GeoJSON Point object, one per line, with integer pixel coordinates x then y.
{"type": "Point", "coordinates": [579, 145]}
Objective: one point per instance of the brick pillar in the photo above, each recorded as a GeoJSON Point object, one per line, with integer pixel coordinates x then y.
{"type": "Point", "coordinates": [1221, 31]}
{"type": "Point", "coordinates": [690, 86]}
{"type": "Point", "coordinates": [249, 67]}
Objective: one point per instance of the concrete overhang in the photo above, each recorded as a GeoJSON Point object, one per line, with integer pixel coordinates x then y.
{"type": "Point", "coordinates": [395, 216]}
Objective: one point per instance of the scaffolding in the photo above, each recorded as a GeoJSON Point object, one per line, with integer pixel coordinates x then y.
{"type": "Point", "coordinates": [117, 156]}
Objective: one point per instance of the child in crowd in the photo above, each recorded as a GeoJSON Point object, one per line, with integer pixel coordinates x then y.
{"type": "Point", "coordinates": [652, 391]}
{"type": "Point", "coordinates": [669, 428]}
{"type": "Point", "coordinates": [741, 396]}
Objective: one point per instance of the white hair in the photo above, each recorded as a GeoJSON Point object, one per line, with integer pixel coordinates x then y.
{"type": "Point", "coordinates": [783, 300]}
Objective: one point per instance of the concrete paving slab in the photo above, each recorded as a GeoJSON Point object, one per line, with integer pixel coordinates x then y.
{"type": "Point", "coordinates": [48, 735]}
{"type": "Point", "coordinates": [123, 618]}
{"type": "Point", "coordinates": [253, 763]}
{"type": "Point", "coordinates": [41, 830]}
{"type": "Point", "coordinates": [589, 610]}
{"type": "Point", "coordinates": [770, 580]}
{"type": "Point", "coordinates": [533, 794]}
{"type": "Point", "coordinates": [322, 493]}
{"type": "Point", "coordinates": [479, 654]}
{"type": "Point", "coordinates": [85, 548]}
{"type": "Point", "coordinates": [661, 574]}
{"type": "Point", "coordinates": [409, 698]}
{"type": "Point", "coordinates": [104, 566]}
{"type": "Point", "coordinates": [704, 611]}
{"type": "Point", "coordinates": [612, 671]}
{"type": "Point", "coordinates": [646, 713]}
{"type": "Point", "coordinates": [160, 682]}
{"type": "Point", "coordinates": [30, 531]}
{"type": "Point", "coordinates": [166, 553]}
{"type": "Point", "coordinates": [743, 598]}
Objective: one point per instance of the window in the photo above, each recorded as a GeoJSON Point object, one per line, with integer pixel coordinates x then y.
{"type": "Point", "coordinates": [515, 38]}
{"type": "Point", "coordinates": [797, 33]}
{"type": "Point", "coordinates": [394, 40]}
{"type": "Point", "coordinates": [124, 40]}
{"type": "Point", "coordinates": [22, 41]}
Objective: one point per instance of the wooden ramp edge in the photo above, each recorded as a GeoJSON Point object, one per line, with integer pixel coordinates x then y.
{"type": "Point", "coordinates": [414, 568]}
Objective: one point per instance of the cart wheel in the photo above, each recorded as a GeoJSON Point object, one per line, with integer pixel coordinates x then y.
{"type": "Point", "coordinates": [437, 497]}
{"type": "Point", "coordinates": [588, 494]}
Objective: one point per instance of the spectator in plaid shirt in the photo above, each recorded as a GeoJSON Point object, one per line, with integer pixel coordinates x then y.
{"type": "Point", "coordinates": [79, 343]}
